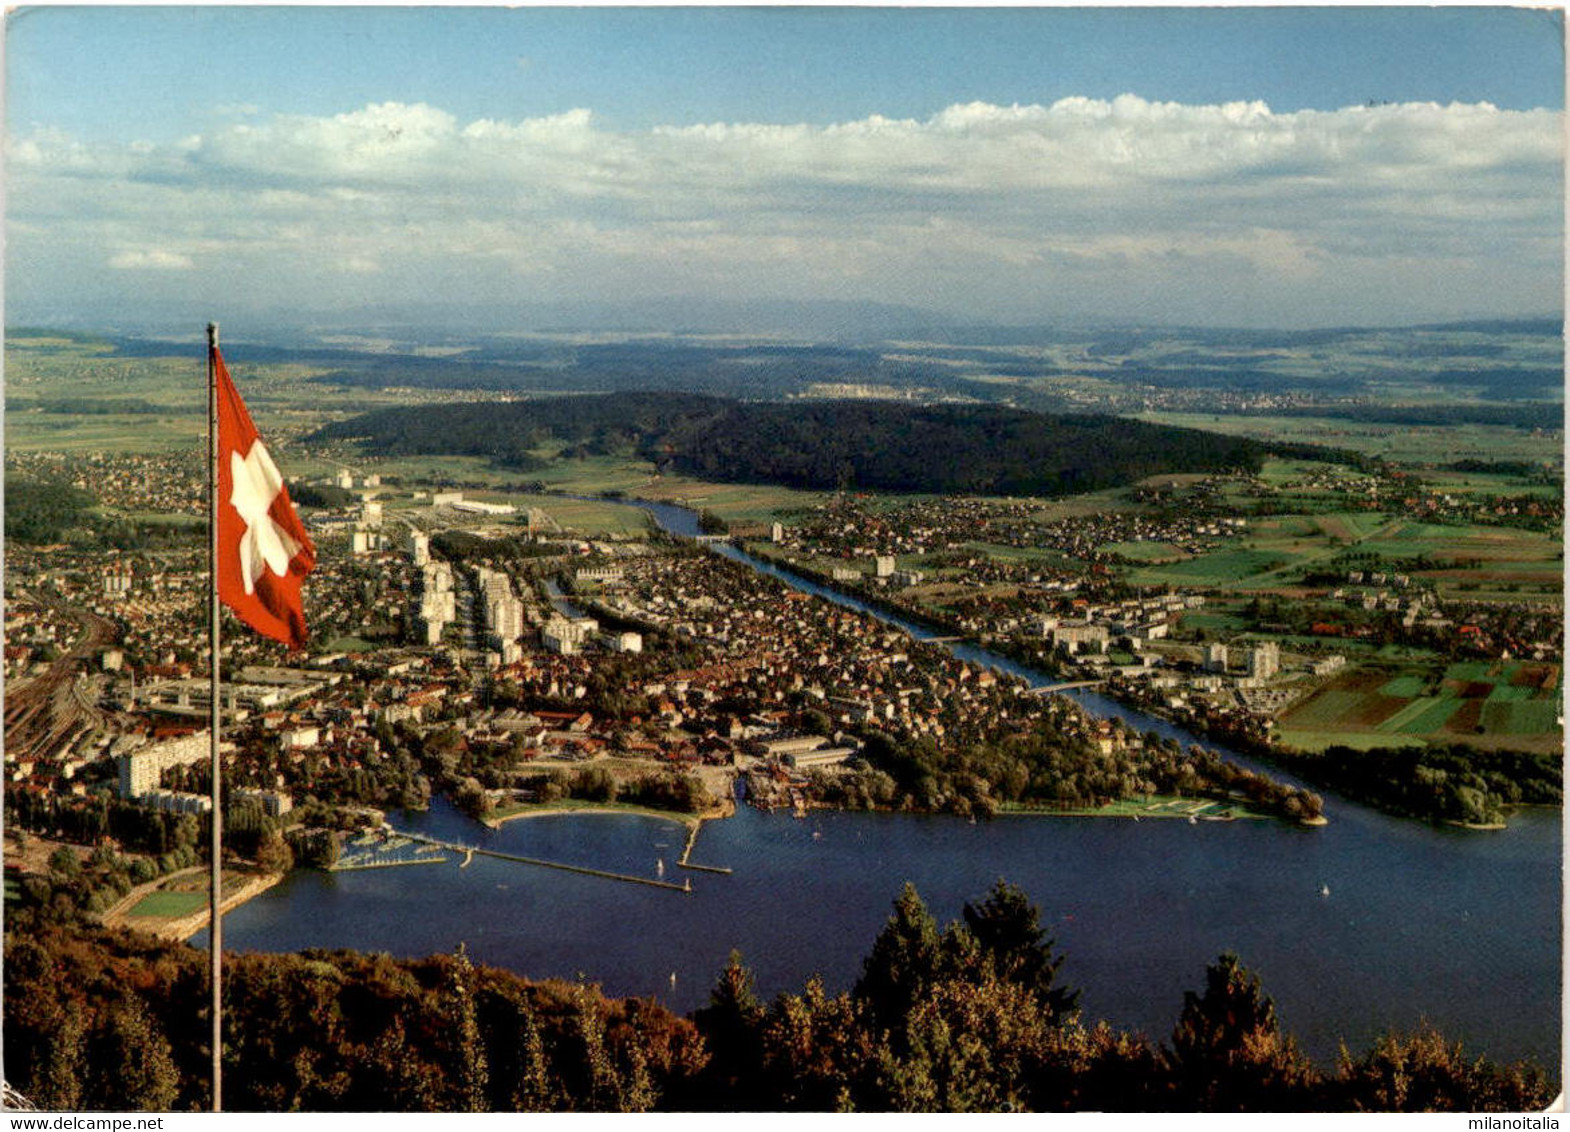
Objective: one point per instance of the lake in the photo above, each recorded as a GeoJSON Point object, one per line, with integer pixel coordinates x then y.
{"type": "Point", "coordinates": [1461, 928]}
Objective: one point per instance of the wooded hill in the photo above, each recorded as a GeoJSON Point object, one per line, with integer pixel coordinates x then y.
{"type": "Point", "coordinates": [821, 445]}
{"type": "Point", "coordinates": [971, 1017]}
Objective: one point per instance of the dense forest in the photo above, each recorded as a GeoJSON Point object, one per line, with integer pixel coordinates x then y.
{"type": "Point", "coordinates": [971, 449]}
{"type": "Point", "coordinates": [508, 432]}
{"type": "Point", "coordinates": [1456, 783]}
{"type": "Point", "coordinates": [969, 1017]}
{"type": "Point", "coordinates": [38, 512]}
{"type": "Point", "coordinates": [956, 449]}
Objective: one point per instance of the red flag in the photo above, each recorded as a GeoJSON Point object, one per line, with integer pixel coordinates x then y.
{"type": "Point", "coordinates": [263, 550]}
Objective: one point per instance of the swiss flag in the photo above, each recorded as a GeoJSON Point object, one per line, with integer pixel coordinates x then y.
{"type": "Point", "coordinates": [263, 550]}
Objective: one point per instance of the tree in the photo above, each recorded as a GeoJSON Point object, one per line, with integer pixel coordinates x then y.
{"type": "Point", "coordinates": [468, 1073]}
{"type": "Point", "coordinates": [599, 1088]}
{"type": "Point", "coordinates": [273, 854]}
{"type": "Point", "coordinates": [903, 962]}
{"type": "Point", "coordinates": [132, 1065]}
{"type": "Point", "coordinates": [470, 798]}
{"type": "Point", "coordinates": [65, 863]}
{"type": "Point", "coordinates": [731, 1025]}
{"type": "Point", "coordinates": [817, 1052]}
{"type": "Point", "coordinates": [1008, 928]}
{"type": "Point", "coordinates": [534, 1091]}
{"type": "Point", "coordinates": [1228, 1053]}
{"type": "Point", "coordinates": [1421, 1072]}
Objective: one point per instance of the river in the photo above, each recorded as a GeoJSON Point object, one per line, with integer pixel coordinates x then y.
{"type": "Point", "coordinates": [1369, 923]}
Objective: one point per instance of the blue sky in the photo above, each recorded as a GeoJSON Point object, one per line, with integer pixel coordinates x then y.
{"type": "Point", "coordinates": [1243, 166]}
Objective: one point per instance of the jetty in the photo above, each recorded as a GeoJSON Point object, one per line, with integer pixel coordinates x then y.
{"type": "Point", "coordinates": [684, 863]}
{"type": "Point", "coordinates": [471, 851]}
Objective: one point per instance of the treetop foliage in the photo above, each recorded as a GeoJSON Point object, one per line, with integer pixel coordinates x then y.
{"type": "Point", "coordinates": [970, 1017]}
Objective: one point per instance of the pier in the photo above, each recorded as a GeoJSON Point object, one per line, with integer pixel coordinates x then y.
{"type": "Point", "coordinates": [683, 863]}
{"type": "Point", "coordinates": [471, 851]}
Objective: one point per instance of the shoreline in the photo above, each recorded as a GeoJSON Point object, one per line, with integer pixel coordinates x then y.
{"type": "Point", "coordinates": [690, 821]}
{"type": "Point", "coordinates": [1143, 816]}
{"type": "Point", "coordinates": [252, 887]}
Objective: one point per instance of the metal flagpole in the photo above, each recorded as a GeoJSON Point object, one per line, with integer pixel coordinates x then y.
{"type": "Point", "coordinates": [215, 886]}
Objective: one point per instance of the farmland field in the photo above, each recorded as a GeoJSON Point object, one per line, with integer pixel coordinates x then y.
{"type": "Point", "coordinates": [1142, 551]}
{"type": "Point", "coordinates": [1403, 443]}
{"type": "Point", "coordinates": [1213, 569]}
{"type": "Point", "coordinates": [1404, 687]}
{"type": "Point", "coordinates": [1422, 716]}
{"type": "Point", "coordinates": [1308, 739]}
{"type": "Point", "coordinates": [1491, 702]}
{"type": "Point", "coordinates": [1350, 526]}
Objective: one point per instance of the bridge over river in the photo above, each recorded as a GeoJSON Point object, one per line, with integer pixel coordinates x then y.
{"type": "Point", "coordinates": [1049, 689]}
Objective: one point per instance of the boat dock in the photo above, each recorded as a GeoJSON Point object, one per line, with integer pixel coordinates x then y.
{"type": "Point", "coordinates": [353, 866]}
{"type": "Point", "coordinates": [380, 851]}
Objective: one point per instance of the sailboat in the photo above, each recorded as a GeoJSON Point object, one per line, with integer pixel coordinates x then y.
{"type": "Point", "coordinates": [659, 866]}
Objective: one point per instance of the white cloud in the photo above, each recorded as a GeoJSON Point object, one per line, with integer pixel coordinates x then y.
{"type": "Point", "coordinates": [992, 204]}
{"type": "Point", "coordinates": [150, 259]}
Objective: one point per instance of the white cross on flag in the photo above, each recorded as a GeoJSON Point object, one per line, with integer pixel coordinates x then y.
{"type": "Point", "coordinates": [263, 550]}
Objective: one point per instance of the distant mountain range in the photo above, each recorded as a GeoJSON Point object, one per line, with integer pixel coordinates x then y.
{"type": "Point", "coordinates": [795, 321]}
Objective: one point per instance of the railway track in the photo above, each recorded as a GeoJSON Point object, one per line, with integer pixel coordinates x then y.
{"type": "Point", "coordinates": [51, 713]}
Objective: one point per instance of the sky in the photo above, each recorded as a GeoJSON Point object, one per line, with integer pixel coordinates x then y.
{"type": "Point", "coordinates": [1214, 166]}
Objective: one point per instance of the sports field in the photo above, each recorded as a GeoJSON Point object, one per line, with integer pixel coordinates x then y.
{"type": "Point", "coordinates": [168, 905]}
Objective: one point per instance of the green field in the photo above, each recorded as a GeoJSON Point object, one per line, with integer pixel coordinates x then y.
{"type": "Point", "coordinates": [1423, 716]}
{"type": "Point", "coordinates": [1405, 687]}
{"type": "Point", "coordinates": [1331, 709]}
{"type": "Point", "coordinates": [1212, 569]}
{"type": "Point", "coordinates": [349, 644]}
{"type": "Point", "coordinates": [1305, 739]}
{"type": "Point", "coordinates": [587, 517]}
{"type": "Point", "coordinates": [1350, 526]}
{"type": "Point", "coordinates": [170, 905]}
{"type": "Point", "coordinates": [1477, 483]}
{"type": "Point", "coordinates": [1154, 806]}
{"type": "Point", "coordinates": [1532, 717]}
{"type": "Point", "coordinates": [1025, 555]}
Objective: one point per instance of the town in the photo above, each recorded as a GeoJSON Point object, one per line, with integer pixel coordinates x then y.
{"type": "Point", "coordinates": [470, 647]}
